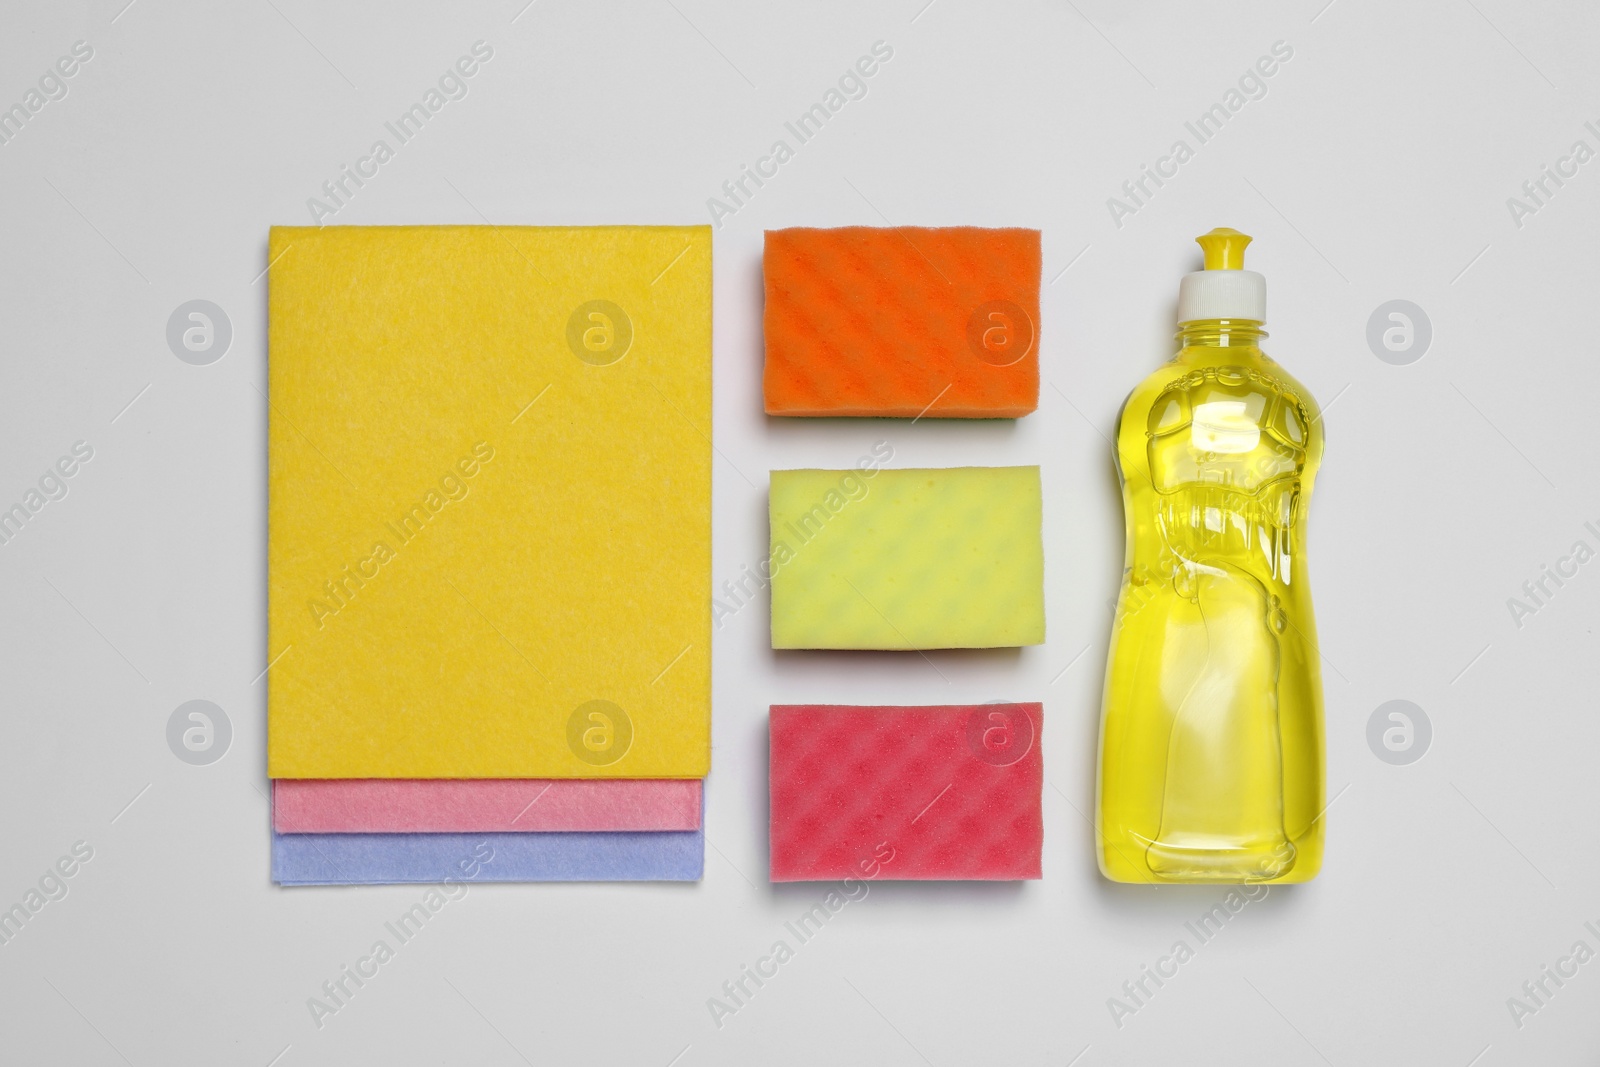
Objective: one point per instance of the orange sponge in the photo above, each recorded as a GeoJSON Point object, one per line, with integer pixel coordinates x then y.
{"type": "Point", "coordinates": [902, 321]}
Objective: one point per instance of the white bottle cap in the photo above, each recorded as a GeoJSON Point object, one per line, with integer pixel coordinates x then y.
{"type": "Point", "coordinates": [1223, 290]}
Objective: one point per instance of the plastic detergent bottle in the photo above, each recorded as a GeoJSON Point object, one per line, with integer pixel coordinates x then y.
{"type": "Point", "coordinates": [1211, 750]}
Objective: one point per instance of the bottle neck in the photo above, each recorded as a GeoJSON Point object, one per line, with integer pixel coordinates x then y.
{"type": "Point", "coordinates": [1220, 333]}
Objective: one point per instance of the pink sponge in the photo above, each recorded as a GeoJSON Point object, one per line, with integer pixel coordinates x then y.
{"type": "Point", "coordinates": [943, 792]}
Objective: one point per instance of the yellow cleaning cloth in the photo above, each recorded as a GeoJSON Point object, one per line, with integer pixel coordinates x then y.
{"type": "Point", "coordinates": [490, 515]}
{"type": "Point", "coordinates": [907, 559]}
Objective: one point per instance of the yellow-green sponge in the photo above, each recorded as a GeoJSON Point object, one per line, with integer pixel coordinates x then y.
{"type": "Point", "coordinates": [907, 559]}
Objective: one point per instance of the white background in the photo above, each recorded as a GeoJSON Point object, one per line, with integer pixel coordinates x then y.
{"type": "Point", "coordinates": [1377, 167]}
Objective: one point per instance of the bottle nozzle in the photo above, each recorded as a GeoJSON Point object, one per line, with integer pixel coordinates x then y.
{"type": "Point", "coordinates": [1224, 290]}
{"type": "Point", "coordinates": [1224, 248]}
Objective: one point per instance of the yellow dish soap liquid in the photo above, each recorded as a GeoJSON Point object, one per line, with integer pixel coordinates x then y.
{"type": "Point", "coordinates": [1211, 750]}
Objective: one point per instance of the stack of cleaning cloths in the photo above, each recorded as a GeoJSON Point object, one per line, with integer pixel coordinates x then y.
{"type": "Point", "coordinates": [489, 550]}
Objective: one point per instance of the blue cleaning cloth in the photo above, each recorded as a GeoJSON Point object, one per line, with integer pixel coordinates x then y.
{"type": "Point", "coordinates": [386, 859]}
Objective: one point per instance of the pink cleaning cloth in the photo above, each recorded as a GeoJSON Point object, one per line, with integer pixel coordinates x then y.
{"type": "Point", "coordinates": [482, 805]}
